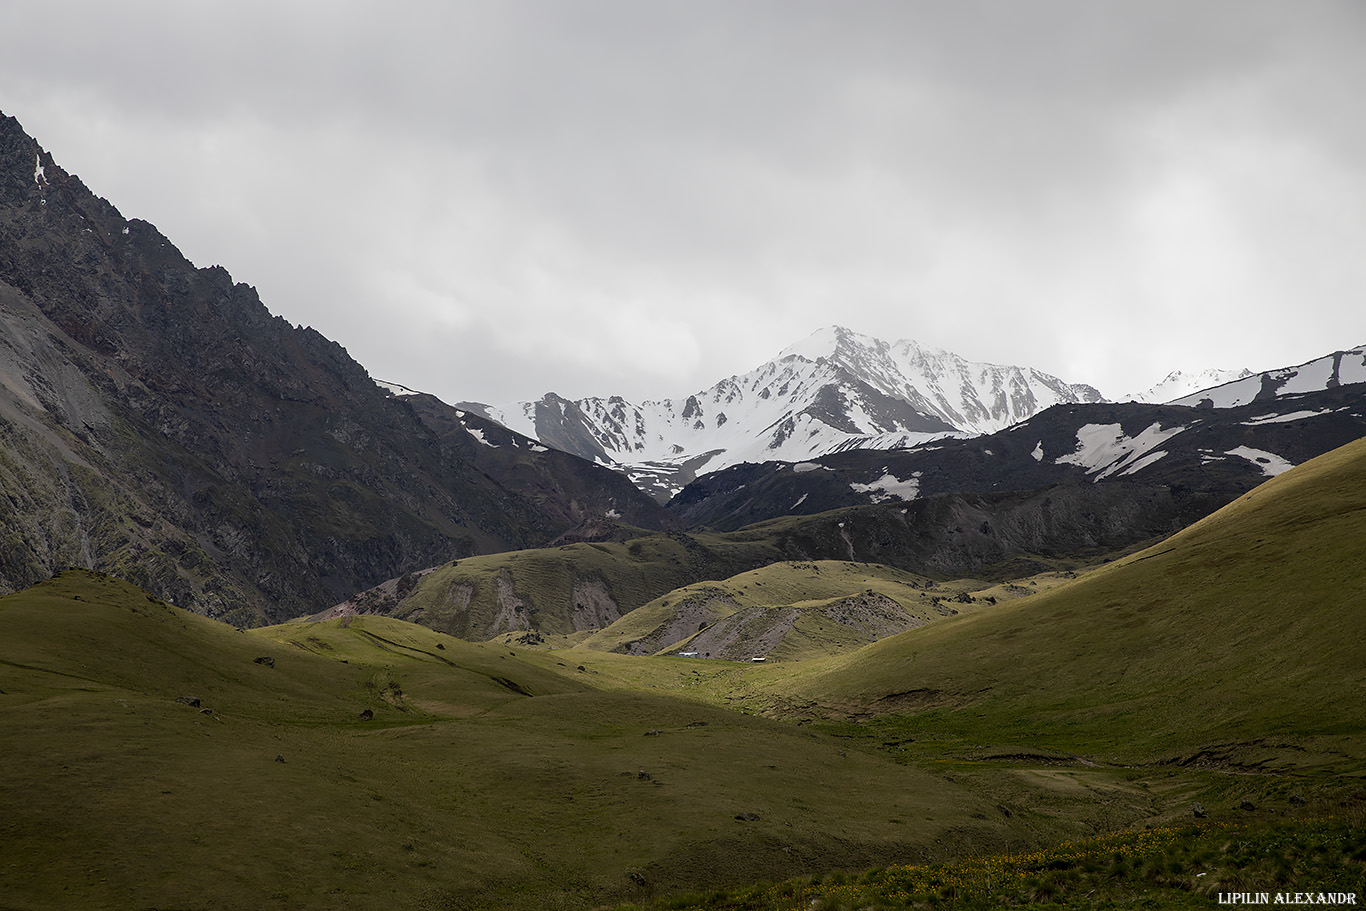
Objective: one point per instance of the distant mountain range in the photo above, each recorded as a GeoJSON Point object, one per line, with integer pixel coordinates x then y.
{"type": "Point", "coordinates": [1076, 481]}
{"type": "Point", "coordinates": [834, 391]}
{"type": "Point", "coordinates": [1212, 455]}
{"type": "Point", "coordinates": [840, 391]}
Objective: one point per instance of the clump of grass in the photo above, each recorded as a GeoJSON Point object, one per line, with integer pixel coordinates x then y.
{"type": "Point", "coordinates": [1166, 867]}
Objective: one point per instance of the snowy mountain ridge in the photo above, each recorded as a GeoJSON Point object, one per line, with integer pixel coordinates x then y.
{"type": "Point", "coordinates": [1341, 368]}
{"type": "Point", "coordinates": [835, 390]}
{"type": "Point", "coordinates": [1181, 383]}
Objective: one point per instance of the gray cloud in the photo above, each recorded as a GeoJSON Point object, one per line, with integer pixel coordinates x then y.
{"type": "Point", "coordinates": [490, 200]}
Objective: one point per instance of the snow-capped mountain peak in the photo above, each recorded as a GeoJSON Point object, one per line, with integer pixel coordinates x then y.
{"type": "Point", "coordinates": [834, 390]}
{"type": "Point", "coordinates": [970, 396]}
{"type": "Point", "coordinates": [1181, 383]}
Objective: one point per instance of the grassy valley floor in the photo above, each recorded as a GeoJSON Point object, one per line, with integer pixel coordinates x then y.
{"type": "Point", "coordinates": [1056, 748]}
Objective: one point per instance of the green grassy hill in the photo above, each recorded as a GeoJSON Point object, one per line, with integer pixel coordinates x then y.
{"type": "Point", "coordinates": [565, 593]}
{"type": "Point", "coordinates": [485, 778]}
{"type": "Point", "coordinates": [786, 611]}
{"type": "Point", "coordinates": [560, 591]}
{"type": "Point", "coordinates": [152, 761]}
{"type": "Point", "coordinates": [1240, 641]}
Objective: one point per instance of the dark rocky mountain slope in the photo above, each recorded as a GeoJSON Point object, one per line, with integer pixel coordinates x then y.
{"type": "Point", "coordinates": [1208, 456]}
{"type": "Point", "coordinates": [158, 423]}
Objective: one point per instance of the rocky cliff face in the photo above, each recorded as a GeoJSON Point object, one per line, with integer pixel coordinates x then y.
{"type": "Point", "coordinates": [157, 422]}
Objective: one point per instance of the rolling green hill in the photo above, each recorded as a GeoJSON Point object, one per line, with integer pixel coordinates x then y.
{"type": "Point", "coordinates": [794, 610]}
{"type": "Point", "coordinates": [152, 762]}
{"type": "Point", "coordinates": [755, 613]}
{"type": "Point", "coordinates": [158, 759]}
{"type": "Point", "coordinates": [559, 591]}
{"type": "Point", "coordinates": [1240, 641]}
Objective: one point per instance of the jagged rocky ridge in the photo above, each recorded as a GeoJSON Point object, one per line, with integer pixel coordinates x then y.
{"type": "Point", "coordinates": [158, 423]}
{"type": "Point", "coordinates": [834, 391]}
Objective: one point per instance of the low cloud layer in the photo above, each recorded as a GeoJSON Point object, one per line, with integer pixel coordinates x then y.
{"type": "Point", "coordinates": [492, 200]}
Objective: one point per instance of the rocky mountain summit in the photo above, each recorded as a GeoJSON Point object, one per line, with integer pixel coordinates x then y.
{"type": "Point", "coordinates": [158, 422]}
{"type": "Point", "coordinates": [836, 390]}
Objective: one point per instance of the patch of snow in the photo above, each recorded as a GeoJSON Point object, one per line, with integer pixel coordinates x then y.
{"type": "Point", "coordinates": [612, 514]}
{"type": "Point", "coordinates": [803, 467]}
{"type": "Point", "coordinates": [801, 501]}
{"type": "Point", "coordinates": [39, 173]}
{"type": "Point", "coordinates": [1270, 463]}
{"type": "Point", "coordinates": [1038, 451]}
{"type": "Point", "coordinates": [1284, 418]}
{"type": "Point", "coordinates": [1140, 464]}
{"type": "Point", "coordinates": [479, 435]}
{"type": "Point", "coordinates": [1103, 449]}
{"type": "Point", "coordinates": [890, 487]}
{"type": "Point", "coordinates": [393, 388]}
{"type": "Point", "coordinates": [537, 447]}
{"type": "Point", "coordinates": [894, 440]}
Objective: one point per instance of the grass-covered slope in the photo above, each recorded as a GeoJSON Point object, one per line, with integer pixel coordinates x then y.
{"type": "Point", "coordinates": [559, 591]}
{"type": "Point", "coordinates": [375, 763]}
{"type": "Point", "coordinates": [1187, 868]}
{"type": "Point", "coordinates": [791, 610]}
{"type": "Point", "coordinates": [485, 778]}
{"type": "Point", "coordinates": [1240, 639]}
{"type": "Point", "coordinates": [754, 613]}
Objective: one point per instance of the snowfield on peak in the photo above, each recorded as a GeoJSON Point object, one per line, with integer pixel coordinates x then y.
{"type": "Point", "coordinates": [834, 391]}
{"type": "Point", "coordinates": [1181, 383]}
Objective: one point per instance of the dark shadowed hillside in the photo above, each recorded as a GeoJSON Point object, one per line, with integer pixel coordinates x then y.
{"type": "Point", "coordinates": [157, 422]}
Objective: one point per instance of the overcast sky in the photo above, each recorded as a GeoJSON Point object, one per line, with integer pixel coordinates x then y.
{"type": "Point", "coordinates": [490, 200]}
